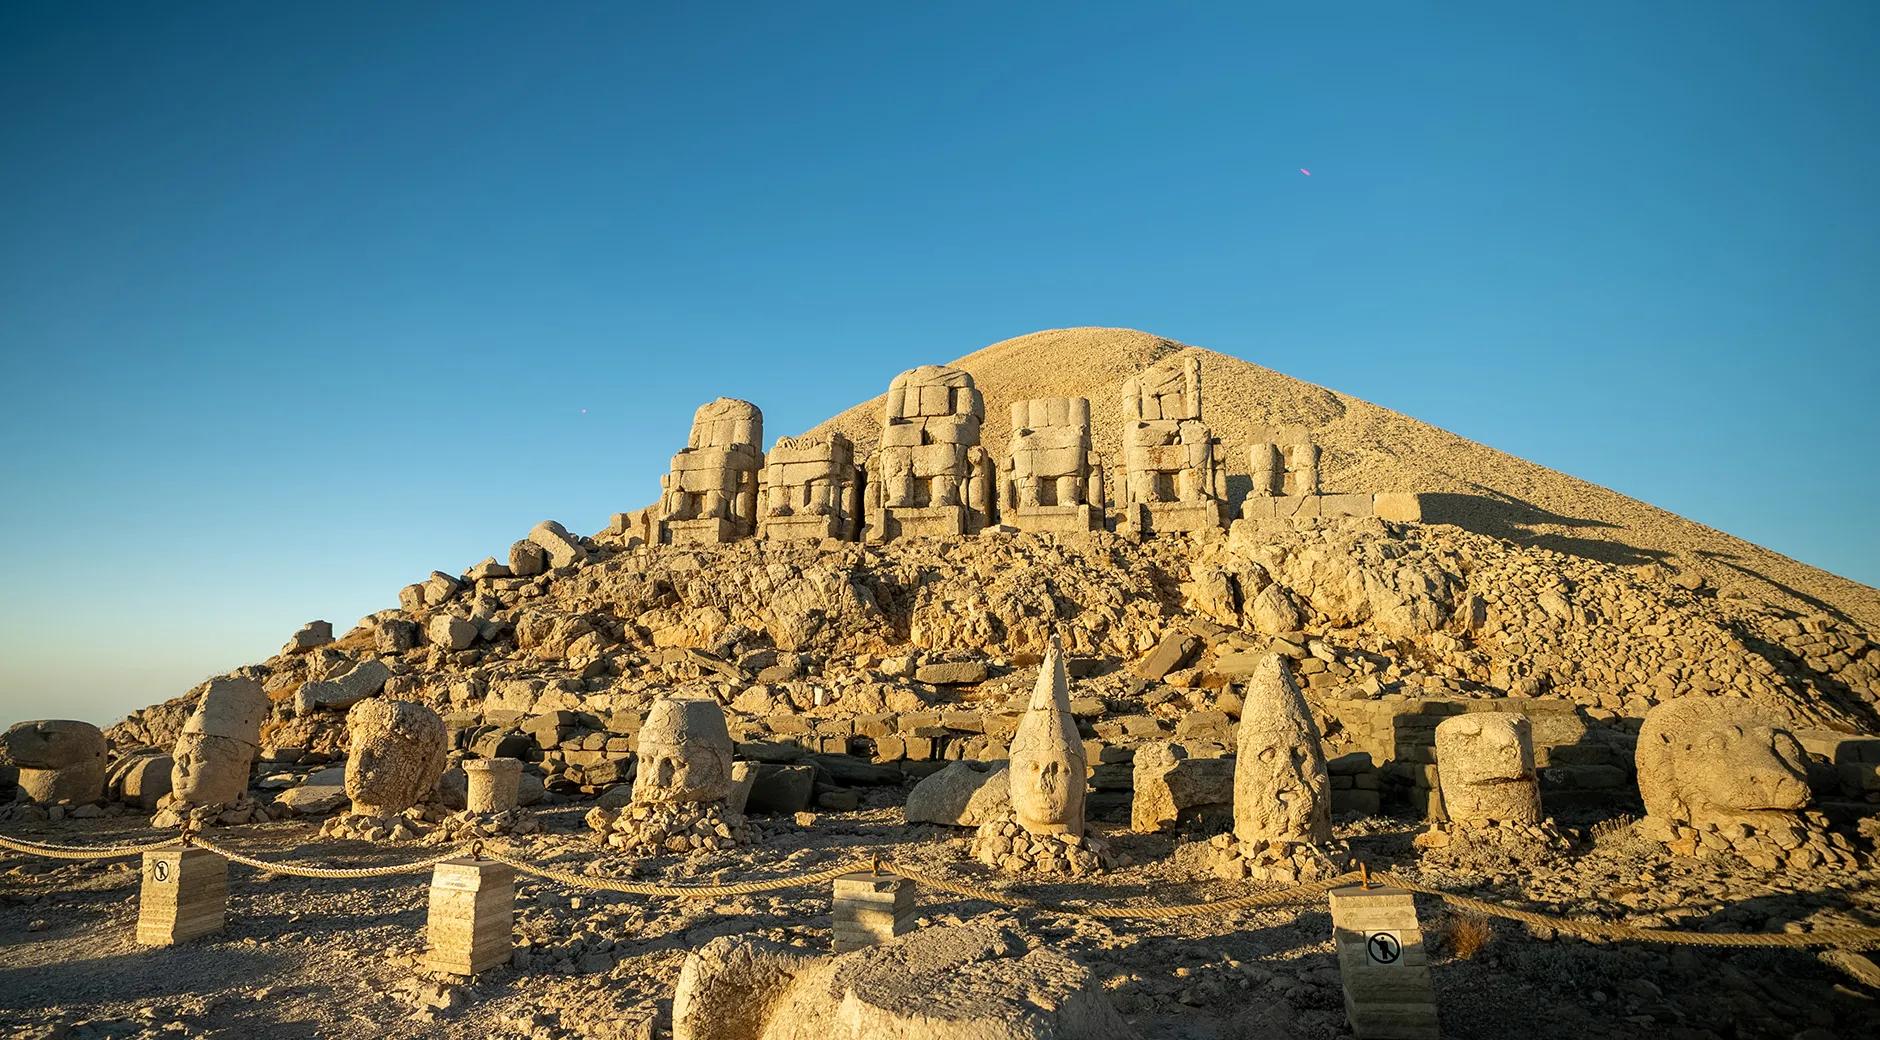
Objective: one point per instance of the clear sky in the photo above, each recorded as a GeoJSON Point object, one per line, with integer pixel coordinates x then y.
{"type": "Point", "coordinates": [298, 302]}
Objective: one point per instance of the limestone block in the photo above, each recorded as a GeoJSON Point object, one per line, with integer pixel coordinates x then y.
{"type": "Point", "coordinates": [144, 779]}
{"type": "Point", "coordinates": [471, 927]}
{"type": "Point", "coordinates": [527, 559]}
{"type": "Point", "coordinates": [963, 794]}
{"type": "Point", "coordinates": [1486, 762]}
{"type": "Point", "coordinates": [493, 784]}
{"type": "Point", "coordinates": [363, 680]}
{"type": "Point", "coordinates": [439, 587]}
{"type": "Point", "coordinates": [868, 909]}
{"type": "Point", "coordinates": [451, 632]}
{"type": "Point", "coordinates": [560, 546]}
{"type": "Point", "coordinates": [397, 754]}
{"type": "Point", "coordinates": [1282, 790]}
{"type": "Point", "coordinates": [183, 894]}
{"type": "Point", "coordinates": [781, 788]}
{"type": "Point", "coordinates": [310, 635]}
{"type": "Point", "coordinates": [1165, 782]}
{"type": "Point", "coordinates": [488, 568]}
{"type": "Point", "coordinates": [1345, 505]}
{"type": "Point", "coordinates": [1048, 767]}
{"type": "Point", "coordinates": [1382, 964]}
{"type": "Point", "coordinates": [685, 753]}
{"type": "Point", "coordinates": [952, 673]}
{"type": "Point", "coordinates": [1398, 506]}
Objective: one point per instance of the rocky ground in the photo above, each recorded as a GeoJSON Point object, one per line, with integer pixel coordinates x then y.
{"type": "Point", "coordinates": [319, 958]}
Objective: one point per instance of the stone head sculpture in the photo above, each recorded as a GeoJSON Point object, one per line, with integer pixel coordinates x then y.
{"type": "Point", "coordinates": [217, 747]}
{"type": "Point", "coordinates": [684, 754]}
{"type": "Point", "coordinates": [1710, 761]}
{"type": "Point", "coordinates": [1485, 764]}
{"type": "Point", "coordinates": [1282, 792]}
{"type": "Point", "coordinates": [396, 755]}
{"type": "Point", "coordinates": [1047, 756]}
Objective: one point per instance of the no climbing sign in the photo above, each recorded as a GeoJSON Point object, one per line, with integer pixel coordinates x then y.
{"type": "Point", "coordinates": [1384, 948]}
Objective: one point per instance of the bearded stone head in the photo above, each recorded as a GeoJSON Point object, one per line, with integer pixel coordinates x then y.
{"type": "Point", "coordinates": [1282, 791]}
{"type": "Point", "coordinates": [397, 755]}
{"type": "Point", "coordinates": [1712, 761]}
{"type": "Point", "coordinates": [1047, 757]}
{"type": "Point", "coordinates": [684, 754]}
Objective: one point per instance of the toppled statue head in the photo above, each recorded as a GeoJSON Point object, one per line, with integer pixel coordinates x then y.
{"type": "Point", "coordinates": [1714, 761]}
{"type": "Point", "coordinates": [1485, 764]}
{"type": "Point", "coordinates": [684, 754]}
{"type": "Point", "coordinates": [1048, 772]}
{"type": "Point", "coordinates": [1282, 791]}
{"type": "Point", "coordinates": [397, 755]}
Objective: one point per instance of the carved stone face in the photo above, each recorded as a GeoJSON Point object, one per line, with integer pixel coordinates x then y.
{"type": "Point", "coordinates": [397, 755]}
{"type": "Point", "coordinates": [210, 770]}
{"type": "Point", "coordinates": [685, 754]}
{"type": "Point", "coordinates": [1485, 763]}
{"type": "Point", "coordinates": [1282, 792]}
{"type": "Point", "coordinates": [1711, 761]}
{"type": "Point", "coordinates": [1047, 757]}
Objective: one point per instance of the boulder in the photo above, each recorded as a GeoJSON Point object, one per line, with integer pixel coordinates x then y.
{"type": "Point", "coordinates": [781, 789]}
{"type": "Point", "coordinates": [488, 568]}
{"type": "Point", "coordinates": [1167, 783]}
{"type": "Point", "coordinates": [452, 632]}
{"type": "Point", "coordinates": [980, 981]}
{"type": "Point", "coordinates": [527, 559]}
{"type": "Point", "coordinates": [365, 679]}
{"type": "Point", "coordinates": [395, 635]}
{"type": "Point", "coordinates": [561, 547]}
{"type": "Point", "coordinates": [952, 673]}
{"type": "Point", "coordinates": [1170, 653]}
{"type": "Point", "coordinates": [964, 794]}
{"type": "Point", "coordinates": [439, 587]}
{"type": "Point", "coordinates": [309, 635]}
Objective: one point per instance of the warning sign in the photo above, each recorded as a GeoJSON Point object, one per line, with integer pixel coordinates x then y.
{"type": "Point", "coordinates": [160, 870]}
{"type": "Point", "coordinates": [1383, 947]}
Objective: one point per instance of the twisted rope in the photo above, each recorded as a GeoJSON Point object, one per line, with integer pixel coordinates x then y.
{"type": "Point", "coordinates": [76, 852]}
{"type": "Point", "coordinates": [1845, 938]}
{"type": "Point", "coordinates": [298, 870]}
{"type": "Point", "coordinates": [640, 888]}
{"type": "Point", "coordinates": [1295, 894]}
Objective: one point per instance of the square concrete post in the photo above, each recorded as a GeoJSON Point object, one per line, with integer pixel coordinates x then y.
{"type": "Point", "coordinates": [184, 895]}
{"type": "Point", "coordinates": [1382, 964]}
{"type": "Point", "coordinates": [473, 913]}
{"type": "Point", "coordinates": [871, 908]}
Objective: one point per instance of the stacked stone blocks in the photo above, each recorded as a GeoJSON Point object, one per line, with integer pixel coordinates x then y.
{"type": "Point", "coordinates": [184, 894]}
{"type": "Point", "coordinates": [870, 909]}
{"type": "Point", "coordinates": [472, 917]}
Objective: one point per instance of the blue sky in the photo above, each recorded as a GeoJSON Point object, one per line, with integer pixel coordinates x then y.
{"type": "Point", "coordinates": [298, 302]}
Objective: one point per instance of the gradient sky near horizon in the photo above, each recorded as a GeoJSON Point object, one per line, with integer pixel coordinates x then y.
{"type": "Point", "coordinates": [298, 302]}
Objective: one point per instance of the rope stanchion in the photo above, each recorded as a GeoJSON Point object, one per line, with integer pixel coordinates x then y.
{"type": "Point", "coordinates": [1296, 894]}
{"type": "Point", "coordinates": [1844, 938]}
{"type": "Point", "coordinates": [298, 870]}
{"type": "Point", "coordinates": [82, 852]}
{"type": "Point", "coordinates": [639, 888]}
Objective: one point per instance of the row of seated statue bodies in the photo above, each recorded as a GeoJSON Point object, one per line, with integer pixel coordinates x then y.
{"type": "Point", "coordinates": [929, 475]}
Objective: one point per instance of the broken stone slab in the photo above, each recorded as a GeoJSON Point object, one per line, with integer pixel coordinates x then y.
{"type": "Point", "coordinates": [486, 569]}
{"type": "Point", "coordinates": [980, 981]}
{"type": "Point", "coordinates": [365, 679]}
{"type": "Point", "coordinates": [951, 673]}
{"type": "Point", "coordinates": [309, 635]}
{"type": "Point", "coordinates": [963, 794]}
{"type": "Point", "coordinates": [1168, 783]}
{"type": "Point", "coordinates": [439, 587]}
{"type": "Point", "coordinates": [1174, 650]}
{"type": "Point", "coordinates": [452, 632]}
{"type": "Point", "coordinates": [322, 793]}
{"type": "Point", "coordinates": [562, 548]}
{"type": "Point", "coordinates": [781, 789]}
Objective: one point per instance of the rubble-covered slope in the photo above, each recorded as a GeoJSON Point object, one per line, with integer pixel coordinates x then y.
{"type": "Point", "coordinates": [1369, 449]}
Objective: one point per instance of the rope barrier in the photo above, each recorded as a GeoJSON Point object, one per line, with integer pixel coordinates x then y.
{"type": "Point", "coordinates": [1296, 894]}
{"type": "Point", "coordinates": [1841, 938]}
{"type": "Point", "coordinates": [638, 888]}
{"type": "Point", "coordinates": [51, 851]}
{"type": "Point", "coordinates": [1845, 938]}
{"type": "Point", "coordinates": [298, 870]}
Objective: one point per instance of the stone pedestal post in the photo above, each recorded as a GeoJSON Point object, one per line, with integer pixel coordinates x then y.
{"type": "Point", "coordinates": [870, 909]}
{"type": "Point", "coordinates": [1382, 964]}
{"type": "Point", "coordinates": [184, 895]}
{"type": "Point", "coordinates": [492, 784]}
{"type": "Point", "coordinates": [473, 908]}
